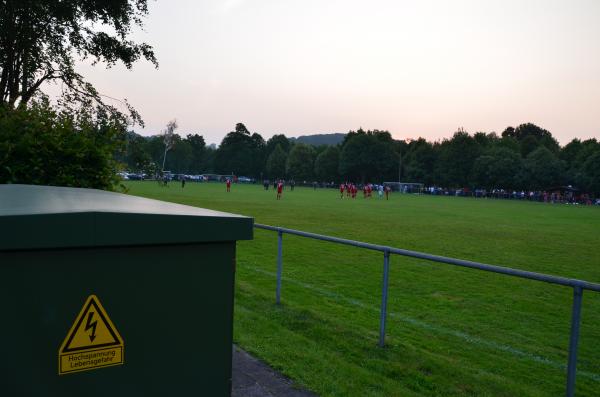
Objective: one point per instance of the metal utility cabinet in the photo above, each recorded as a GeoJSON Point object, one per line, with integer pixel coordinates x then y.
{"type": "Point", "coordinates": [109, 294]}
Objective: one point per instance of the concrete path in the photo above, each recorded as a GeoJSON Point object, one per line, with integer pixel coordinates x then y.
{"type": "Point", "coordinates": [253, 378]}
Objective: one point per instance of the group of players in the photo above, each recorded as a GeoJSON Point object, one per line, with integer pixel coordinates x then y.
{"type": "Point", "coordinates": [351, 190]}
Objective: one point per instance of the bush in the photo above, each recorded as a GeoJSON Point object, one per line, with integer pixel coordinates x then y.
{"type": "Point", "coordinates": [43, 146]}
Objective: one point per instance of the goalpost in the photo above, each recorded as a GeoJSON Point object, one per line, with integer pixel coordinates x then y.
{"type": "Point", "coordinates": [405, 187]}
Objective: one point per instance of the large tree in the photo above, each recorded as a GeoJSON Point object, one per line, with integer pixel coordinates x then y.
{"type": "Point", "coordinates": [240, 153]}
{"type": "Point", "coordinates": [300, 162]}
{"type": "Point", "coordinates": [419, 162]}
{"type": "Point", "coordinates": [530, 137]}
{"type": "Point", "coordinates": [41, 40]}
{"type": "Point", "coordinates": [577, 153]}
{"type": "Point", "coordinates": [259, 155]}
{"type": "Point", "coordinates": [136, 155]}
{"type": "Point", "coordinates": [497, 168]}
{"type": "Point", "coordinates": [590, 176]}
{"type": "Point", "coordinates": [542, 169]}
{"type": "Point", "coordinates": [198, 147]}
{"type": "Point", "coordinates": [327, 164]}
{"type": "Point", "coordinates": [456, 159]}
{"type": "Point", "coordinates": [278, 139]}
{"type": "Point", "coordinates": [276, 163]}
{"type": "Point", "coordinates": [180, 157]}
{"type": "Point", "coordinates": [368, 156]}
{"type": "Point", "coordinates": [355, 161]}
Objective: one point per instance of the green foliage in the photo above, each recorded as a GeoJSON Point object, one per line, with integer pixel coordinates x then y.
{"type": "Point", "coordinates": [156, 148]}
{"type": "Point", "coordinates": [241, 128]}
{"type": "Point", "coordinates": [456, 159]}
{"type": "Point", "coordinates": [41, 40]}
{"type": "Point", "coordinates": [278, 139]}
{"type": "Point", "coordinates": [496, 169]}
{"type": "Point", "coordinates": [327, 163]}
{"type": "Point", "coordinates": [486, 141]}
{"type": "Point", "coordinates": [570, 152]}
{"type": "Point", "coordinates": [419, 162]}
{"type": "Point", "coordinates": [509, 143]}
{"type": "Point", "coordinates": [578, 155]}
{"type": "Point", "coordinates": [530, 136]}
{"type": "Point", "coordinates": [542, 169]}
{"type": "Point", "coordinates": [590, 175]}
{"type": "Point", "coordinates": [136, 156]}
{"type": "Point", "coordinates": [368, 156]}
{"type": "Point", "coordinates": [259, 155]}
{"type": "Point", "coordinates": [528, 145]}
{"type": "Point", "coordinates": [300, 162]}
{"type": "Point", "coordinates": [241, 153]}
{"type": "Point", "coordinates": [180, 156]}
{"type": "Point", "coordinates": [276, 163]}
{"type": "Point", "coordinates": [354, 160]}
{"type": "Point", "coordinates": [41, 146]}
{"type": "Point", "coordinates": [78, 142]}
{"type": "Point", "coordinates": [198, 153]}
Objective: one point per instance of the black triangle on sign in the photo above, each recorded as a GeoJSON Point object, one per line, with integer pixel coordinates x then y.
{"type": "Point", "coordinates": [94, 303]}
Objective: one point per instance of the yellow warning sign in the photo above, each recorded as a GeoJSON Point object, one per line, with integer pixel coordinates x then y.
{"type": "Point", "coordinates": [93, 341]}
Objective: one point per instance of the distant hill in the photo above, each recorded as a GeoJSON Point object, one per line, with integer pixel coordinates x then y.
{"type": "Point", "coordinates": [320, 139]}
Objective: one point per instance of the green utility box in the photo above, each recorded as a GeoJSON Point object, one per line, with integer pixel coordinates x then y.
{"type": "Point", "coordinates": [106, 294]}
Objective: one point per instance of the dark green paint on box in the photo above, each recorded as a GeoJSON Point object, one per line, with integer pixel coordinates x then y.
{"type": "Point", "coordinates": [163, 272]}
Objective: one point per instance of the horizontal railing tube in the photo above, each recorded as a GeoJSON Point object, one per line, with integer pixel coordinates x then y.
{"type": "Point", "coordinates": [577, 285]}
{"type": "Point", "coordinates": [442, 259]}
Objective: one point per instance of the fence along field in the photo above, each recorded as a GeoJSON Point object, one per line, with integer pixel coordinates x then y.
{"type": "Point", "coordinates": [450, 331]}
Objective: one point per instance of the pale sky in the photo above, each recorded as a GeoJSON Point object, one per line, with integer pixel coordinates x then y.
{"type": "Point", "coordinates": [415, 68]}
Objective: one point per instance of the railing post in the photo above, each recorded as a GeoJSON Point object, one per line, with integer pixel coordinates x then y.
{"type": "Point", "coordinates": [384, 297]}
{"type": "Point", "coordinates": [279, 265]}
{"type": "Point", "coordinates": [574, 339]}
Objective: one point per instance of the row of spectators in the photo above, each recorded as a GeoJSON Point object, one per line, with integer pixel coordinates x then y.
{"type": "Point", "coordinates": [562, 194]}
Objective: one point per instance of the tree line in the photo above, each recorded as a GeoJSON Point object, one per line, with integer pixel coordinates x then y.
{"type": "Point", "coordinates": [527, 157]}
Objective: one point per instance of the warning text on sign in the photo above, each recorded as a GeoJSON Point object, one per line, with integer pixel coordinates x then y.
{"type": "Point", "coordinates": [82, 361]}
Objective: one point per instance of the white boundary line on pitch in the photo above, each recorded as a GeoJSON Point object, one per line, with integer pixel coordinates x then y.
{"type": "Point", "coordinates": [458, 334]}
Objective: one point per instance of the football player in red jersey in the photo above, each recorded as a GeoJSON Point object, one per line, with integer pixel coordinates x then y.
{"type": "Point", "coordinates": [279, 189]}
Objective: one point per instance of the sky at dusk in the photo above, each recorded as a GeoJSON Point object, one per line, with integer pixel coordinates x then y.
{"type": "Point", "coordinates": [414, 68]}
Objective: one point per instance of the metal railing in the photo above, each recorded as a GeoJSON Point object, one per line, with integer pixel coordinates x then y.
{"type": "Point", "coordinates": [577, 285]}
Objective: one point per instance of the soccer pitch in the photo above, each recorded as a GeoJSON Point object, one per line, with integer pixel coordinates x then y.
{"type": "Point", "coordinates": [451, 331]}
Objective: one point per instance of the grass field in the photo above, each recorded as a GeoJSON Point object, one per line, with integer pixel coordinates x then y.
{"type": "Point", "coordinates": [451, 331]}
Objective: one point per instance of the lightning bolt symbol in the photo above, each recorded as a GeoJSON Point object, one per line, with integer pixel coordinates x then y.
{"type": "Point", "coordinates": [91, 325]}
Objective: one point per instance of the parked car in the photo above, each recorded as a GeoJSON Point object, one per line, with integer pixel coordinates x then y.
{"type": "Point", "coordinates": [136, 177]}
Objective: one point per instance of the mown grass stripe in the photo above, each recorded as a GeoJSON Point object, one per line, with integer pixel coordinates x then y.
{"type": "Point", "coordinates": [430, 327]}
